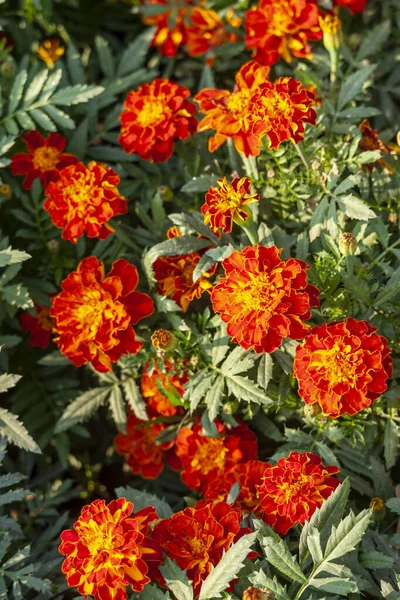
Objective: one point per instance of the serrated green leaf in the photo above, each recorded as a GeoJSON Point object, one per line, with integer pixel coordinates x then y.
{"type": "Point", "coordinates": [76, 94]}
{"type": "Point", "coordinates": [35, 87]}
{"type": "Point", "coordinates": [334, 585]}
{"type": "Point", "coordinates": [82, 408]}
{"type": "Point", "coordinates": [142, 499]}
{"type": "Point", "coordinates": [16, 433]}
{"type": "Point", "coordinates": [177, 247]}
{"type": "Point", "coordinates": [17, 295]}
{"type": "Point", "coordinates": [105, 56]}
{"type": "Point", "coordinates": [260, 580]}
{"type": "Point", "coordinates": [245, 389]}
{"type": "Point", "coordinates": [214, 396]}
{"type": "Point", "coordinates": [347, 535]}
{"type": "Point", "coordinates": [42, 119]}
{"type": "Point", "coordinates": [373, 40]}
{"type": "Point", "coordinates": [75, 65]}
{"type": "Point", "coordinates": [227, 568]}
{"type": "Point", "coordinates": [134, 398]}
{"type": "Point", "coordinates": [278, 554]}
{"type": "Point", "coordinates": [176, 579]}
{"type": "Point", "coordinates": [117, 406]}
{"type": "Point", "coordinates": [8, 381]}
{"type": "Point", "coordinates": [11, 257]}
{"type": "Point", "coordinates": [355, 208]}
{"type": "Point", "coordinates": [394, 505]}
{"type": "Point", "coordinates": [17, 90]}
{"type": "Point", "coordinates": [198, 388]}
{"type": "Point", "coordinates": [135, 53]}
{"type": "Point", "coordinates": [6, 142]}
{"type": "Point", "coordinates": [51, 85]}
{"type": "Point", "coordinates": [199, 184]}
{"type": "Point", "coordinates": [390, 443]}
{"type": "Point", "coordinates": [237, 361]}
{"type": "Point", "coordinates": [13, 496]}
{"type": "Point", "coordinates": [25, 121]}
{"type": "Point", "coordinates": [59, 117]}
{"type": "Point", "coordinates": [353, 85]}
{"type": "Point", "coordinates": [264, 372]}
{"type": "Point", "coordinates": [220, 345]}
{"type": "Point", "coordinates": [376, 560]}
{"type": "Point", "coordinates": [151, 592]}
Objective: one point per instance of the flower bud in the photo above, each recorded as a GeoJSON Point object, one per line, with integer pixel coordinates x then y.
{"type": "Point", "coordinates": [253, 593]}
{"type": "Point", "coordinates": [165, 193]}
{"type": "Point", "coordinates": [53, 245]}
{"type": "Point", "coordinates": [377, 504]}
{"type": "Point", "coordinates": [164, 340]}
{"type": "Point", "coordinates": [331, 27]}
{"type": "Point", "coordinates": [5, 191]}
{"type": "Point", "coordinates": [230, 407]}
{"type": "Point", "coordinates": [239, 220]}
{"type": "Point", "coordinates": [311, 410]}
{"type": "Point", "coordinates": [8, 69]}
{"type": "Point", "coordinates": [271, 173]}
{"type": "Point", "coordinates": [347, 244]}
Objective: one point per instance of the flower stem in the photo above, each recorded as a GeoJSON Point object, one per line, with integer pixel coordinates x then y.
{"type": "Point", "coordinates": [334, 56]}
{"type": "Point", "coordinates": [233, 156]}
{"type": "Point", "coordinates": [302, 156]}
{"type": "Point", "coordinates": [250, 166]}
{"type": "Point", "coordinates": [349, 263]}
{"type": "Point", "coordinates": [251, 232]}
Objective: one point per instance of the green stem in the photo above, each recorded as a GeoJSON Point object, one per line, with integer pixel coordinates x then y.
{"type": "Point", "coordinates": [251, 232]}
{"type": "Point", "coordinates": [250, 166]}
{"type": "Point", "coordinates": [302, 155]}
{"type": "Point", "coordinates": [377, 260]}
{"type": "Point", "coordinates": [350, 264]}
{"type": "Point", "coordinates": [334, 56]}
{"type": "Point", "coordinates": [233, 156]}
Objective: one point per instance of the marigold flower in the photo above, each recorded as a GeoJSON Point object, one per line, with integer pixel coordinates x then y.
{"type": "Point", "coordinates": [174, 275]}
{"type": "Point", "coordinates": [171, 381]}
{"type": "Point", "coordinates": [197, 538]}
{"type": "Point", "coordinates": [50, 52]}
{"type": "Point", "coordinates": [231, 114]}
{"type": "Point", "coordinates": [355, 6]}
{"type": "Point", "coordinates": [206, 460]}
{"type": "Point", "coordinates": [294, 488]}
{"type": "Point", "coordinates": [5, 191]}
{"type": "Point", "coordinates": [164, 340]}
{"type": "Point", "coordinates": [44, 160]}
{"type": "Point", "coordinates": [283, 108]}
{"type": "Point", "coordinates": [332, 28]}
{"type": "Point", "coordinates": [94, 314]}
{"type": "Point", "coordinates": [206, 31]}
{"type": "Point", "coordinates": [377, 504]}
{"type": "Point", "coordinates": [370, 141]}
{"type": "Point", "coordinates": [83, 200]}
{"type": "Point", "coordinates": [347, 244]}
{"type": "Point", "coordinates": [264, 299]}
{"type": "Point", "coordinates": [40, 326]}
{"type": "Point", "coordinates": [343, 367]}
{"type": "Point", "coordinates": [252, 593]}
{"type": "Point", "coordinates": [145, 457]}
{"type": "Point", "coordinates": [170, 32]}
{"type": "Point", "coordinates": [154, 117]}
{"type": "Point", "coordinates": [282, 28]}
{"type": "Point", "coordinates": [228, 202]}
{"type": "Point", "coordinates": [108, 550]}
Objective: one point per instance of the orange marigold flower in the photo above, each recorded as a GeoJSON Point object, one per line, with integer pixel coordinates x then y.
{"type": "Point", "coordinates": [283, 108]}
{"type": "Point", "coordinates": [282, 28]}
{"type": "Point", "coordinates": [145, 456]}
{"type": "Point", "coordinates": [205, 459]}
{"type": "Point", "coordinates": [83, 200]}
{"type": "Point", "coordinates": [292, 489]}
{"type": "Point", "coordinates": [197, 538]}
{"type": "Point", "coordinates": [171, 381]}
{"type": "Point", "coordinates": [50, 52]}
{"type": "Point", "coordinates": [44, 160]}
{"type": "Point", "coordinates": [154, 117]}
{"type": "Point", "coordinates": [94, 314]}
{"type": "Point", "coordinates": [252, 593]}
{"type": "Point", "coordinates": [170, 32]}
{"type": "Point", "coordinates": [264, 299]}
{"type": "Point", "coordinates": [227, 202]}
{"type": "Point", "coordinates": [108, 550]}
{"type": "Point", "coordinates": [343, 367]}
{"type": "Point", "coordinates": [370, 141]}
{"type": "Point", "coordinates": [206, 31]}
{"type": "Point", "coordinates": [164, 340]}
{"type": "Point", "coordinates": [231, 114]}
{"type": "Point", "coordinates": [174, 275]}
{"type": "Point", "coordinates": [356, 6]}
{"type": "Point", "coordinates": [40, 326]}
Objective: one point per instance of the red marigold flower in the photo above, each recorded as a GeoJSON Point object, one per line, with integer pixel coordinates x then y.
{"type": "Point", "coordinates": [174, 275]}
{"type": "Point", "coordinates": [231, 114]}
{"type": "Point", "coordinates": [83, 200]}
{"type": "Point", "coordinates": [44, 160]}
{"type": "Point", "coordinates": [196, 538]}
{"type": "Point", "coordinates": [292, 489]}
{"type": "Point", "coordinates": [154, 117]}
{"type": "Point", "coordinates": [343, 367]}
{"type": "Point", "coordinates": [356, 6]}
{"type": "Point", "coordinates": [40, 326]}
{"type": "Point", "coordinates": [264, 299]}
{"type": "Point", "coordinates": [108, 550]}
{"type": "Point", "coordinates": [205, 459]}
{"type": "Point", "coordinates": [282, 28]}
{"type": "Point", "coordinates": [171, 31]}
{"type": "Point", "coordinates": [94, 314]}
{"type": "Point", "coordinates": [228, 202]}
{"type": "Point", "coordinates": [171, 381]}
{"type": "Point", "coordinates": [145, 456]}
{"type": "Point", "coordinates": [283, 108]}
{"type": "Point", "coordinates": [206, 31]}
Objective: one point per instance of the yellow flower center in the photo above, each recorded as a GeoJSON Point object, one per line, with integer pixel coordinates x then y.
{"type": "Point", "coordinates": [45, 158]}
{"type": "Point", "coordinates": [338, 364]}
{"type": "Point", "coordinates": [97, 540]}
{"type": "Point", "coordinates": [209, 455]}
{"type": "Point", "coordinates": [198, 546]}
{"type": "Point", "coordinates": [293, 488]}
{"type": "Point", "coordinates": [282, 18]}
{"type": "Point", "coordinates": [152, 113]}
{"type": "Point", "coordinates": [231, 197]}
{"type": "Point", "coordinates": [330, 24]}
{"type": "Point", "coordinates": [238, 101]}
{"type": "Point", "coordinates": [95, 310]}
{"type": "Point", "coordinates": [259, 293]}
{"type": "Point", "coordinates": [278, 104]}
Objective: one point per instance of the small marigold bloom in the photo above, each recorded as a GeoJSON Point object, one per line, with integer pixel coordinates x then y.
{"type": "Point", "coordinates": [282, 28]}
{"type": "Point", "coordinates": [154, 117]}
{"type": "Point", "coordinates": [206, 460]}
{"type": "Point", "coordinates": [283, 108]}
{"type": "Point", "coordinates": [40, 326]}
{"type": "Point", "coordinates": [108, 550]}
{"type": "Point", "coordinates": [347, 244]}
{"type": "Point", "coordinates": [206, 31]}
{"type": "Point", "coordinates": [145, 456]}
{"type": "Point", "coordinates": [174, 275]}
{"type": "Point", "coordinates": [45, 158]}
{"type": "Point", "coordinates": [170, 32]}
{"type": "Point", "coordinates": [94, 314]}
{"type": "Point", "coordinates": [264, 299]}
{"type": "Point", "coordinates": [292, 489]}
{"type": "Point", "coordinates": [5, 191]}
{"type": "Point", "coordinates": [252, 593]}
{"type": "Point", "coordinates": [164, 340]}
{"type": "Point", "coordinates": [50, 52]}
{"type": "Point", "coordinates": [331, 27]}
{"type": "Point", "coordinates": [343, 367]}
{"type": "Point", "coordinates": [356, 6]}
{"type": "Point", "coordinates": [171, 381]}
{"type": "Point", "coordinates": [231, 114]}
{"type": "Point", "coordinates": [227, 203]}
{"type": "Point", "coordinates": [197, 538]}
{"type": "Point", "coordinates": [370, 141]}
{"type": "Point", "coordinates": [377, 504]}
{"type": "Point", "coordinates": [83, 200]}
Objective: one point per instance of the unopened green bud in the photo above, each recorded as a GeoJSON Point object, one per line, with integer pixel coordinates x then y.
{"type": "Point", "coordinates": [347, 244]}
{"type": "Point", "coordinates": [165, 193]}
{"type": "Point", "coordinates": [230, 407]}
{"type": "Point", "coordinates": [311, 410]}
